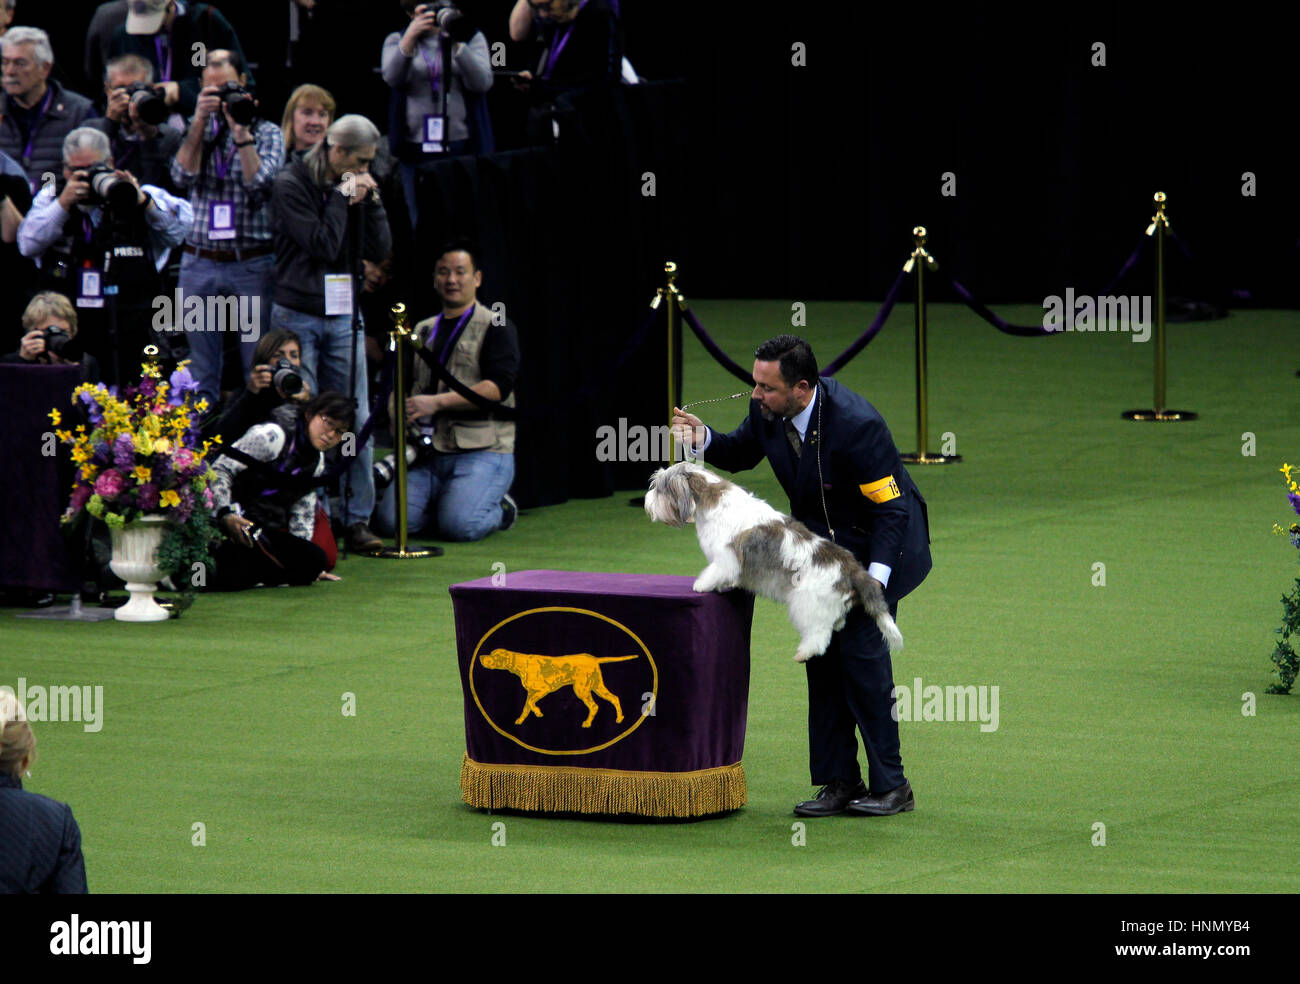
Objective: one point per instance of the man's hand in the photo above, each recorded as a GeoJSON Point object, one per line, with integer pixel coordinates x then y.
{"type": "Point", "coordinates": [75, 190]}
{"type": "Point", "coordinates": [140, 197]}
{"type": "Point", "coordinates": [362, 186]}
{"type": "Point", "coordinates": [421, 24]}
{"type": "Point", "coordinates": [687, 428]}
{"type": "Point", "coordinates": [421, 406]}
{"type": "Point", "coordinates": [236, 527]}
{"type": "Point", "coordinates": [33, 345]}
{"type": "Point", "coordinates": [241, 134]}
{"type": "Point", "coordinates": [119, 106]}
{"type": "Point", "coordinates": [207, 104]}
{"type": "Point", "coordinates": [171, 92]}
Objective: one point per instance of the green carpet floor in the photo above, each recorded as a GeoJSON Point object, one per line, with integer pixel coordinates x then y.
{"type": "Point", "coordinates": [1118, 705]}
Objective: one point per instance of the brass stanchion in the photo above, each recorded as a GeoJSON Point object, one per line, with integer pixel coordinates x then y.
{"type": "Point", "coordinates": [917, 264]}
{"type": "Point", "coordinates": [1159, 225]}
{"type": "Point", "coordinates": [401, 333]}
{"type": "Point", "coordinates": [673, 314]}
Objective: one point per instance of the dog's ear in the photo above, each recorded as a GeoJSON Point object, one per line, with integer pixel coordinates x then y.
{"type": "Point", "coordinates": [679, 490]}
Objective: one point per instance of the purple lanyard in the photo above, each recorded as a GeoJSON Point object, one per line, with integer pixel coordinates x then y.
{"type": "Point", "coordinates": [556, 48]}
{"type": "Point", "coordinates": [87, 228]}
{"type": "Point", "coordinates": [432, 64]}
{"type": "Point", "coordinates": [455, 335]}
{"type": "Point", "coordinates": [158, 50]}
{"type": "Point", "coordinates": [221, 165]}
{"type": "Point", "coordinates": [31, 134]}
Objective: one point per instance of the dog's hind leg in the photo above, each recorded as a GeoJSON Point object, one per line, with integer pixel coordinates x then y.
{"type": "Point", "coordinates": [808, 615]}
{"type": "Point", "coordinates": [583, 690]}
{"type": "Point", "coordinates": [603, 691]}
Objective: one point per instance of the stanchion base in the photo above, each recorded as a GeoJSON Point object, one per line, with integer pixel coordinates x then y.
{"type": "Point", "coordinates": [1158, 415]}
{"type": "Point", "coordinates": [410, 553]}
{"type": "Point", "coordinates": [916, 458]}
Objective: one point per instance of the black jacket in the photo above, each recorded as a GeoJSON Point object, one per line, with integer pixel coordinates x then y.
{"type": "Point", "coordinates": [310, 226]}
{"type": "Point", "coordinates": [880, 523]}
{"type": "Point", "coordinates": [40, 843]}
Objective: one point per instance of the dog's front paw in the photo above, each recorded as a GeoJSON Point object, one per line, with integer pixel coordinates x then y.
{"type": "Point", "coordinates": [803, 655]}
{"type": "Point", "coordinates": [701, 585]}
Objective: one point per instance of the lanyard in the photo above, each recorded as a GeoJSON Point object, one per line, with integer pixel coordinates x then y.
{"type": "Point", "coordinates": [222, 165]}
{"type": "Point", "coordinates": [158, 50]}
{"type": "Point", "coordinates": [455, 335]}
{"type": "Point", "coordinates": [434, 70]}
{"type": "Point", "coordinates": [31, 134]}
{"type": "Point", "coordinates": [556, 48]}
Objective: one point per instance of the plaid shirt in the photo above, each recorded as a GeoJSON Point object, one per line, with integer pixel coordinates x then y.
{"type": "Point", "coordinates": [250, 198]}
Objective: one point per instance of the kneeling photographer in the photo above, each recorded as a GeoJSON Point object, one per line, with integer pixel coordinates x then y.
{"type": "Point", "coordinates": [265, 497]}
{"type": "Point", "coordinates": [276, 376]}
{"type": "Point", "coordinates": [50, 336]}
{"type": "Point", "coordinates": [100, 238]}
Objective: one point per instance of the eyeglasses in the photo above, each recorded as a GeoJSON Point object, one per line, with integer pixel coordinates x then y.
{"type": "Point", "coordinates": [332, 427]}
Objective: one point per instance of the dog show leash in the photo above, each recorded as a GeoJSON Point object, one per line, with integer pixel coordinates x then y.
{"type": "Point", "coordinates": [720, 399]}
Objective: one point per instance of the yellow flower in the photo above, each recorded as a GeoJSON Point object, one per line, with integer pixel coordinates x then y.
{"type": "Point", "coordinates": [88, 472]}
{"type": "Point", "coordinates": [80, 455]}
{"type": "Point", "coordinates": [141, 473]}
{"type": "Point", "coordinates": [162, 446]}
{"type": "Point", "coordinates": [55, 418]}
{"type": "Point", "coordinates": [169, 498]}
{"type": "Point", "coordinates": [143, 442]}
{"type": "Point", "coordinates": [152, 425]}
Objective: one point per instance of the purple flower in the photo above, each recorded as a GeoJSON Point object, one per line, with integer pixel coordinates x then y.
{"type": "Point", "coordinates": [124, 452]}
{"type": "Point", "coordinates": [147, 496]}
{"type": "Point", "coordinates": [109, 485]}
{"type": "Point", "coordinates": [103, 453]}
{"type": "Point", "coordinates": [1295, 502]}
{"type": "Point", "coordinates": [182, 383]}
{"type": "Point", "coordinates": [79, 498]}
{"type": "Point", "coordinates": [148, 387]}
{"type": "Point", "coordinates": [92, 407]}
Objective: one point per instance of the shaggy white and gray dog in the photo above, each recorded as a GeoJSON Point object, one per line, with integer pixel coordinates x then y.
{"type": "Point", "coordinates": [752, 546]}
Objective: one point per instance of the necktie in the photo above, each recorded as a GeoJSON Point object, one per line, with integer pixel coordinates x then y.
{"type": "Point", "coordinates": [793, 435]}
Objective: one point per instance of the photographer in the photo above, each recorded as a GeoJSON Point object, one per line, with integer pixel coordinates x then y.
{"type": "Point", "coordinates": [228, 162]}
{"type": "Point", "coordinates": [133, 122]}
{"type": "Point", "coordinates": [414, 64]}
{"type": "Point", "coordinates": [15, 200]}
{"type": "Point", "coordinates": [40, 112]}
{"type": "Point", "coordinates": [267, 509]}
{"type": "Point", "coordinates": [318, 201]}
{"type": "Point", "coordinates": [49, 334]}
{"type": "Point", "coordinates": [276, 376]}
{"type": "Point", "coordinates": [582, 41]}
{"type": "Point", "coordinates": [94, 215]}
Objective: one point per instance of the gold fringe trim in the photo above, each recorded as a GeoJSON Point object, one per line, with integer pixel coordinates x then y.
{"type": "Point", "coordinates": [561, 789]}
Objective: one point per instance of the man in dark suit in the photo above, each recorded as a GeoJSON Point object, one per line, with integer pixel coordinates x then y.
{"type": "Point", "coordinates": [835, 459]}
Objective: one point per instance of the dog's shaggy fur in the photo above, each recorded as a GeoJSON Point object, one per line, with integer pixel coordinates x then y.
{"type": "Point", "coordinates": [752, 546]}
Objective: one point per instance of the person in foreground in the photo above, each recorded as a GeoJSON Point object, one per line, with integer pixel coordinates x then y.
{"type": "Point", "coordinates": [40, 842]}
{"type": "Point", "coordinates": [835, 459]}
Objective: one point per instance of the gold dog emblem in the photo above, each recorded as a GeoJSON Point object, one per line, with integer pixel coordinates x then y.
{"type": "Point", "coordinates": [543, 675]}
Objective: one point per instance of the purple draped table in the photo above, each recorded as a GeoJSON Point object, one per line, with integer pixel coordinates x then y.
{"type": "Point", "coordinates": [602, 693]}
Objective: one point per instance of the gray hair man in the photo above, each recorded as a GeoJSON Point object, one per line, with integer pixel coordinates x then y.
{"type": "Point", "coordinates": [40, 111]}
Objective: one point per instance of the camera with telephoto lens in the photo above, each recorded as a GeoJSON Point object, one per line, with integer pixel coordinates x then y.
{"type": "Point", "coordinates": [236, 99]}
{"type": "Point", "coordinates": [106, 188]}
{"type": "Point", "coordinates": [451, 20]}
{"type": "Point", "coordinates": [148, 102]}
{"type": "Point", "coordinates": [286, 378]}
{"type": "Point", "coordinates": [418, 451]}
{"type": "Point", "coordinates": [56, 339]}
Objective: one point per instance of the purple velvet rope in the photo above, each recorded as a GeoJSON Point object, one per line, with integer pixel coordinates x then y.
{"type": "Point", "coordinates": [1034, 331]}
{"type": "Point", "coordinates": [710, 346]}
{"type": "Point", "coordinates": [841, 360]}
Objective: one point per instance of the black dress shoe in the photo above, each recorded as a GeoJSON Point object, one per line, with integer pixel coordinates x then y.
{"type": "Point", "coordinates": [898, 800]}
{"type": "Point", "coordinates": [831, 799]}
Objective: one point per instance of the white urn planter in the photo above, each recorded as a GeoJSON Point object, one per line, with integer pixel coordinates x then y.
{"type": "Point", "coordinates": [135, 561]}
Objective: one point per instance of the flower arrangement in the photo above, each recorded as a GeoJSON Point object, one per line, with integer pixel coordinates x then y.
{"type": "Point", "coordinates": [1285, 657]}
{"type": "Point", "coordinates": [142, 454]}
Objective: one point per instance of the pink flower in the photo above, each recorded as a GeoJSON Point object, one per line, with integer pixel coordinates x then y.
{"type": "Point", "coordinates": [109, 485]}
{"type": "Point", "coordinates": [147, 496]}
{"type": "Point", "coordinates": [79, 498]}
{"type": "Point", "coordinates": [184, 460]}
{"type": "Point", "coordinates": [207, 498]}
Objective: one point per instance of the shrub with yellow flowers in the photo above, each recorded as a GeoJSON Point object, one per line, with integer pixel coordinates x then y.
{"type": "Point", "coordinates": [1285, 658]}
{"type": "Point", "coordinates": [142, 454]}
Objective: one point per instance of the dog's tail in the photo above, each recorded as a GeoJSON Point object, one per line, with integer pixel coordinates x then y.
{"type": "Point", "coordinates": [614, 659]}
{"type": "Point", "coordinates": [872, 600]}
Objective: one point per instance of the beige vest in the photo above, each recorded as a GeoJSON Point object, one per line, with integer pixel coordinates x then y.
{"type": "Point", "coordinates": [451, 432]}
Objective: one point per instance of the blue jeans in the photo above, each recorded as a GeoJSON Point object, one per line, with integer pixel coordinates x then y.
{"type": "Point", "coordinates": [250, 282]}
{"type": "Point", "coordinates": [326, 343]}
{"type": "Point", "coordinates": [464, 489]}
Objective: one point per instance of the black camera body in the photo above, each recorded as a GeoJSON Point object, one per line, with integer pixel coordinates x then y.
{"type": "Point", "coordinates": [56, 340]}
{"type": "Point", "coordinates": [451, 20]}
{"type": "Point", "coordinates": [418, 451]}
{"type": "Point", "coordinates": [239, 102]}
{"type": "Point", "coordinates": [148, 102]}
{"type": "Point", "coordinates": [106, 188]}
{"type": "Point", "coordinates": [286, 378]}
